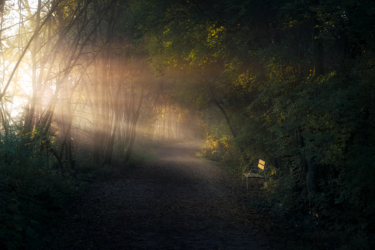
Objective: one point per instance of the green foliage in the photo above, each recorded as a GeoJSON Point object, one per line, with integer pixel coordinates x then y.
{"type": "Point", "coordinates": [31, 193]}
{"type": "Point", "coordinates": [294, 81]}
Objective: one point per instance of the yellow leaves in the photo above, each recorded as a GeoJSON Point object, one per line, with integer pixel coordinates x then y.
{"type": "Point", "coordinates": [214, 32]}
{"type": "Point", "coordinates": [192, 55]}
{"type": "Point", "coordinates": [167, 44]}
{"type": "Point", "coordinates": [214, 36]}
{"type": "Point", "coordinates": [243, 79]}
{"type": "Point", "coordinates": [293, 23]}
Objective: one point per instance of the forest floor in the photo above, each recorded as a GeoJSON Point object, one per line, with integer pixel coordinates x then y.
{"type": "Point", "coordinates": [177, 201]}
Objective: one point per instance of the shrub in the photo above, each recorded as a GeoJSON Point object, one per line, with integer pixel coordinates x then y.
{"type": "Point", "coordinates": [31, 192]}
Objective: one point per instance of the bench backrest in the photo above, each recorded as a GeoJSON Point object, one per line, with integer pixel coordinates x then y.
{"type": "Point", "coordinates": [261, 164]}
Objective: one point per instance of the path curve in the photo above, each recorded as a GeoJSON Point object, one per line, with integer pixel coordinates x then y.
{"type": "Point", "coordinates": [175, 202]}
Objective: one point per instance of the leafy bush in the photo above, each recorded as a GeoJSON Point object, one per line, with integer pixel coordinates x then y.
{"type": "Point", "coordinates": [31, 192]}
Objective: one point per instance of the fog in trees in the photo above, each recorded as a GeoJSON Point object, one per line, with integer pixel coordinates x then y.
{"type": "Point", "coordinates": [92, 83]}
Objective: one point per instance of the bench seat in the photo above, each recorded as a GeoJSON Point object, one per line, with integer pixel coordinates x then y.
{"type": "Point", "coordinates": [253, 175]}
{"type": "Point", "coordinates": [261, 165]}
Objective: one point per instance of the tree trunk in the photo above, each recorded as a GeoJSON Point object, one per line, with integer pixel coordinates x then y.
{"type": "Point", "coordinates": [311, 177]}
{"type": "Point", "coordinates": [318, 55]}
{"type": "Point", "coordinates": [29, 119]}
{"type": "Point", "coordinates": [109, 148]}
{"type": "Point", "coordinates": [318, 52]}
{"type": "Point", "coordinates": [225, 115]}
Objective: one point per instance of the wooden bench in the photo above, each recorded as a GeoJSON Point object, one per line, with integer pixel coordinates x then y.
{"type": "Point", "coordinates": [261, 165]}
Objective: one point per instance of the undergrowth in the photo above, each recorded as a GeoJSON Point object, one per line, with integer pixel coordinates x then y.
{"type": "Point", "coordinates": [33, 190]}
{"type": "Point", "coordinates": [292, 221]}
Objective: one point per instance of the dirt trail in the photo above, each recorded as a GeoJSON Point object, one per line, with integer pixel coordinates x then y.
{"type": "Point", "coordinates": [175, 202]}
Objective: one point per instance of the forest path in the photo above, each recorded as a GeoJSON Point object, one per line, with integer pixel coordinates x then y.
{"type": "Point", "coordinates": [175, 202]}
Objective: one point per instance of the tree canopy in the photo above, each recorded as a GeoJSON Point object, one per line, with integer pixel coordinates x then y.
{"type": "Point", "coordinates": [289, 82]}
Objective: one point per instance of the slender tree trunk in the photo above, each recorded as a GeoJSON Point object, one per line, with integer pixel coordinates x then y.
{"type": "Point", "coordinates": [133, 130]}
{"type": "Point", "coordinates": [30, 115]}
{"type": "Point", "coordinates": [318, 55]}
{"type": "Point", "coordinates": [109, 148]}
{"type": "Point", "coordinates": [96, 116]}
{"type": "Point", "coordinates": [318, 52]}
{"type": "Point", "coordinates": [2, 8]}
{"type": "Point", "coordinates": [224, 113]}
{"type": "Point", "coordinates": [311, 177]}
{"type": "Point", "coordinates": [69, 146]}
{"type": "Point", "coordinates": [111, 140]}
{"type": "Point", "coordinates": [169, 122]}
{"type": "Point", "coordinates": [130, 147]}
